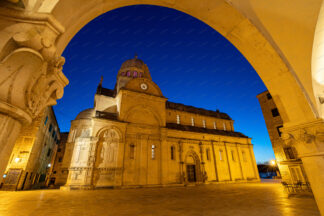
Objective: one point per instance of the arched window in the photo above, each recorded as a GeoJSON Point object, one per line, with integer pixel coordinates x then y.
{"type": "Point", "coordinates": [128, 73]}
{"type": "Point", "coordinates": [192, 121]}
{"type": "Point", "coordinates": [178, 119]}
{"type": "Point", "coordinates": [204, 123]}
{"type": "Point", "coordinates": [153, 152]}
{"type": "Point", "coordinates": [215, 126]}
{"type": "Point", "coordinates": [140, 74]}
{"type": "Point", "coordinates": [221, 155]}
{"type": "Point", "coordinates": [172, 153]}
{"type": "Point", "coordinates": [131, 151]}
{"type": "Point", "coordinates": [46, 119]}
{"type": "Point", "coordinates": [135, 74]}
{"type": "Point", "coordinates": [123, 73]}
{"type": "Point", "coordinates": [224, 125]}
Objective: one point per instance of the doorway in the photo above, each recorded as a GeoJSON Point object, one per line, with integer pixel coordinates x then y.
{"type": "Point", "coordinates": [191, 173]}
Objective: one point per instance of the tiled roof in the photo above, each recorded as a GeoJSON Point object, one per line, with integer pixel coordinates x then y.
{"type": "Point", "coordinates": [195, 110]}
{"type": "Point", "coordinates": [204, 130]}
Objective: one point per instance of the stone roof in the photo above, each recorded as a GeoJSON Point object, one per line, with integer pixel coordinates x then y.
{"type": "Point", "coordinates": [85, 114]}
{"type": "Point", "coordinates": [204, 130]}
{"type": "Point", "coordinates": [195, 110]}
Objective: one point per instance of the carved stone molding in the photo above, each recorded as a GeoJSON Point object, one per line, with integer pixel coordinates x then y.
{"type": "Point", "coordinates": [308, 139]}
{"type": "Point", "coordinates": [32, 76]}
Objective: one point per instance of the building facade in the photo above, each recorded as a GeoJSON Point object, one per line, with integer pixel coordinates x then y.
{"type": "Point", "coordinates": [60, 173]}
{"type": "Point", "coordinates": [133, 136]}
{"type": "Point", "coordinates": [290, 165]}
{"type": "Point", "coordinates": [31, 160]}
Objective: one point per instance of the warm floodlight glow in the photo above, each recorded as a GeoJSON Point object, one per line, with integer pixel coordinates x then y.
{"type": "Point", "coordinates": [17, 160]}
{"type": "Point", "coordinates": [4, 175]}
{"type": "Point", "coordinates": [273, 162]}
{"type": "Point", "coordinates": [49, 165]}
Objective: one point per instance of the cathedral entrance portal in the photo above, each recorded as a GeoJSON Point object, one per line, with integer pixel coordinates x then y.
{"type": "Point", "coordinates": [192, 164]}
{"type": "Point", "coordinates": [191, 173]}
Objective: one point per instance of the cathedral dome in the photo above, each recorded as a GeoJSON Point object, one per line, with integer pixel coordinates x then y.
{"type": "Point", "coordinates": [134, 68]}
{"type": "Point", "coordinates": [85, 114]}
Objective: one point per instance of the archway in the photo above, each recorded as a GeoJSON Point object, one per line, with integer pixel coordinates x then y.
{"type": "Point", "coordinates": [66, 18]}
{"type": "Point", "coordinates": [192, 168]}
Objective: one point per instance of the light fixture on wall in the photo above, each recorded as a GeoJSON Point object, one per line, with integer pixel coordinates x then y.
{"type": "Point", "coordinates": [17, 160]}
{"type": "Point", "coordinates": [49, 165]}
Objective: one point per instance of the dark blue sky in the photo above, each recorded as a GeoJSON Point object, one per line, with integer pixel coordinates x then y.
{"type": "Point", "coordinates": [191, 62]}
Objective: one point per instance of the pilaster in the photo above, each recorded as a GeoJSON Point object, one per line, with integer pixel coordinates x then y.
{"type": "Point", "coordinates": [31, 71]}
{"type": "Point", "coordinates": [308, 139]}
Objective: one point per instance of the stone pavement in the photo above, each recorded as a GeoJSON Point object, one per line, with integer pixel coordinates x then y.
{"type": "Point", "coordinates": [221, 199]}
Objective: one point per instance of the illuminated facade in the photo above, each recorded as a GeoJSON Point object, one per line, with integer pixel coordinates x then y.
{"type": "Point", "coordinates": [30, 163]}
{"type": "Point", "coordinates": [135, 137]}
{"type": "Point", "coordinates": [60, 173]}
{"type": "Point", "coordinates": [290, 165]}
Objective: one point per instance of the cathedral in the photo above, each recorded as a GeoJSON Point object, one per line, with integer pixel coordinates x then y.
{"type": "Point", "coordinates": [135, 137]}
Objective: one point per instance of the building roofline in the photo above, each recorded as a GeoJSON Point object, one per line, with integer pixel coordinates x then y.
{"type": "Point", "coordinates": [262, 93]}
{"type": "Point", "coordinates": [196, 110]}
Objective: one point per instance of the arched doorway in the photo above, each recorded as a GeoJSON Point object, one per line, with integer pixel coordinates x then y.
{"type": "Point", "coordinates": [30, 50]}
{"type": "Point", "coordinates": [106, 159]}
{"type": "Point", "coordinates": [192, 166]}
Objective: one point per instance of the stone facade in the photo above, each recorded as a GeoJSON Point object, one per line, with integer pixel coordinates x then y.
{"type": "Point", "coordinates": [290, 165]}
{"type": "Point", "coordinates": [31, 160]}
{"type": "Point", "coordinates": [60, 173]}
{"type": "Point", "coordinates": [135, 137]}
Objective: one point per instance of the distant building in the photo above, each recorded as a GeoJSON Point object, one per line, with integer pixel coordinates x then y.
{"type": "Point", "coordinates": [133, 136]}
{"type": "Point", "coordinates": [30, 163]}
{"type": "Point", "coordinates": [60, 173]}
{"type": "Point", "coordinates": [290, 166]}
{"type": "Point", "coordinates": [268, 171]}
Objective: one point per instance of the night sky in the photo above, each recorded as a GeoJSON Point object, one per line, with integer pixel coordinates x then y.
{"type": "Point", "coordinates": [191, 63]}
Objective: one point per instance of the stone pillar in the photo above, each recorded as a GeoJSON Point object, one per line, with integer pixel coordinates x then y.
{"type": "Point", "coordinates": [31, 72]}
{"type": "Point", "coordinates": [9, 132]}
{"type": "Point", "coordinates": [308, 140]}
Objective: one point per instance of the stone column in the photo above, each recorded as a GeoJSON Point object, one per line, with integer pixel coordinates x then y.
{"type": "Point", "coordinates": [31, 72]}
{"type": "Point", "coordinates": [308, 140]}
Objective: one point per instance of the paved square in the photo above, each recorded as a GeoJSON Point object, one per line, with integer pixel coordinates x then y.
{"type": "Point", "coordinates": [221, 199]}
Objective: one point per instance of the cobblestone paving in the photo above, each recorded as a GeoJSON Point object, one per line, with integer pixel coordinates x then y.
{"type": "Point", "coordinates": [221, 200]}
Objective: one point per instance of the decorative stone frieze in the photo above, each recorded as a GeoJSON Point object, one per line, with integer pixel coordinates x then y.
{"type": "Point", "coordinates": [307, 138]}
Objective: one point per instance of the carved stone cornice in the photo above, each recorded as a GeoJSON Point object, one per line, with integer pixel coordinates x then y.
{"type": "Point", "coordinates": [32, 76]}
{"type": "Point", "coordinates": [308, 138]}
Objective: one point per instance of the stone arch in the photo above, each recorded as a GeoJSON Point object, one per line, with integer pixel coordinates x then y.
{"type": "Point", "coordinates": [106, 156]}
{"type": "Point", "coordinates": [101, 131]}
{"type": "Point", "coordinates": [149, 109]}
{"type": "Point", "coordinates": [294, 103]}
{"type": "Point", "coordinates": [192, 158]}
{"type": "Point", "coordinates": [318, 63]}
